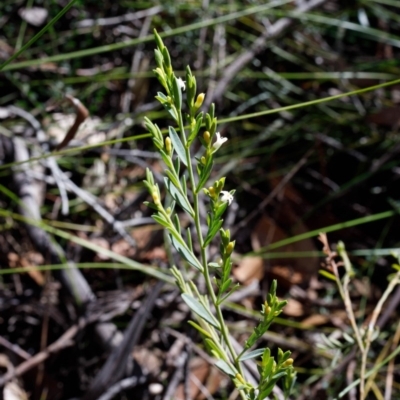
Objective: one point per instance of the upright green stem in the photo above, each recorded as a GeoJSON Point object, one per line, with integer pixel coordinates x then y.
{"type": "Point", "coordinates": [206, 272]}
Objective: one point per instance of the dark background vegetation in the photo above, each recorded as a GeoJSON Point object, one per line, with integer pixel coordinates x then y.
{"type": "Point", "coordinates": [342, 158]}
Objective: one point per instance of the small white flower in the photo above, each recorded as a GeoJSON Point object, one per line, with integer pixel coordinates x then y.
{"type": "Point", "coordinates": [226, 197]}
{"type": "Point", "coordinates": [218, 143]}
{"type": "Point", "coordinates": [181, 84]}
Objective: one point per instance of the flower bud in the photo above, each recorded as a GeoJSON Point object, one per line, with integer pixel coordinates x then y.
{"type": "Point", "coordinates": [199, 101]}
{"type": "Point", "coordinates": [288, 362]}
{"type": "Point", "coordinates": [159, 72]}
{"type": "Point", "coordinates": [156, 198]}
{"type": "Point", "coordinates": [203, 160]}
{"type": "Point", "coordinates": [206, 137]}
{"type": "Point", "coordinates": [240, 378]}
{"type": "Point", "coordinates": [168, 145]}
{"type": "Point", "coordinates": [229, 248]}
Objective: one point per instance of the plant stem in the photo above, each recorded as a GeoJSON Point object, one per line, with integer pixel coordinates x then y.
{"type": "Point", "coordinates": [206, 272]}
{"type": "Point", "coordinates": [370, 330]}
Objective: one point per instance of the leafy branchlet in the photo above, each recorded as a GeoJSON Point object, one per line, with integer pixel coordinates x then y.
{"type": "Point", "coordinates": [185, 183]}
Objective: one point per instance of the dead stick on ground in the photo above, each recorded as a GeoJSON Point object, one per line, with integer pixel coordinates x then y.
{"type": "Point", "coordinates": [81, 114]}
{"type": "Point", "coordinates": [64, 341]}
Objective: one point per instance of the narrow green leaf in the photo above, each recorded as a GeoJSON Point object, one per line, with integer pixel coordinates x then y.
{"type": "Point", "coordinates": [225, 286]}
{"type": "Point", "coordinates": [251, 340]}
{"type": "Point", "coordinates": [212, 232]}
{"type": "Point", "coordinates": [225, 367]}
{"type": "Point", "coordinates": [172, 177]}
{"type": "Point", "coordinates": [279, 375]}
{"type": "Point", "coordinates": [171, 110]}
{"type": "Point", "coordinates": [265, 393]}
{"type": "Point", "coordinates": [176, 141]}
{"type": "Point", "coordinates": [177, 93]}
{"type": "Point", "coordinates": [162, 96]}
{"type": "Point", "coordinates": [167, 59]}
{"type": "Point", "coordinates": [195, 130]}
{"type": "Point", "coordinates": [157, 37]}
{"type": "Point", "coordinates": [186, 253]}
{"type": "Point", "coordinates": [161, 221]}
{"type": "Point", "coordinates": [199, 328]}
{"type": "Point", "coordinates": [251, 354]}
{"type": "Point", "coordinates": [221, 209]}
{"type": "Point", "coordinates": [208, 122]}
{"type": "Point", "coordinates": [183, 184]}
{"type": "Point", "coordinates": [179, 198]}
{"type": "Point", "coordinates": [222, 299]}
{"type": "Point", "coordinates": [190, 87]}
{"type": "Point", "coordinates": [159, 58]}
{"type": "Point", "coordinates": [200, 310]}
{"type": "Point", "coordinates": [177, 166]}
{"type": "Point", "coordinates": [166, 158]}
{"type": "Point", "coordinates": [189, 239]}
{"type": "Point", "coordinates": [214, 349]}
{"type": "Point", "coordinates": [150, 205]}
{"type": "Point", "coordinates": [205, 174]}
{"type": "Point", "coordinates": [177, 223]}
{"type": "Point", "coordinates": [266, 371]}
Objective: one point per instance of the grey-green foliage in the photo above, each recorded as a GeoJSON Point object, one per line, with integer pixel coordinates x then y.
{"type": "Point", "coordinates": [184, 184]}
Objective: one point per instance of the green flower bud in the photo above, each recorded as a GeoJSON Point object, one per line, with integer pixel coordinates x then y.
{"type": "Point", "coordinates": [240, 378]}
{"type": "Point", "coordinates": [206, 137]}
{"type": "Point", "coordinates": [168, 145]}
{"type": "Point", "coordinates": [199, 101]}
{"type": "Point", "coordinates": [288, 363]}
{"type": "Point", "coordinates": [229, 248]}
{"type": "Point", "coordinates": [156, 198]}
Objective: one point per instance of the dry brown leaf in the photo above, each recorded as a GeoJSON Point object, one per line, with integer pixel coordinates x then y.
{"type": "Point", "coordinates": [88, 131]}
{"type": "Point", "coordinates": [339, 318]}
{"type": "Point", "coordinates": [201, 372]}
{"type": "Point", "coordinates": [315, 320]}
{"type": "Point", "coordinates": [293, 308]}
{"type": "Point", "coordinates": [156, 253]}
{"type": "Point", "coordinates": [363, 287]}
{"type": "Point", "coordinates": [32, 259]}
{"type": "Point", "coordinates": [286, 275]}
{"type": "Point", "coordinates": [299, 270]}
{"type": "Point", "coordinates": [249, 269]}
{"type": "Point", "coordinates": [103, 243]}
{"type": "Point", "coordinates": [151, 361]}
{"type": "Point", "coordinates": [143, 236]}
{"type": "Point", "coordinates": [123, 248]}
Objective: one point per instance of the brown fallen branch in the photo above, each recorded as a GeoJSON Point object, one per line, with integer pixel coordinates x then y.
{"type": "Point", "coordinates": [50, 162]}
{"type": "Point", "coordinates": [66, 340]}
{"type": "Point", "coordinates": [115, 366]}
{"type": "Point", "coordinates": [99, 311]}
{"type": "Point", "coordinates": [124, 384]}
{"type": "Point", "coordinates": [71, 278]}
{"type": "Point", "coordinates": [81, 114]}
